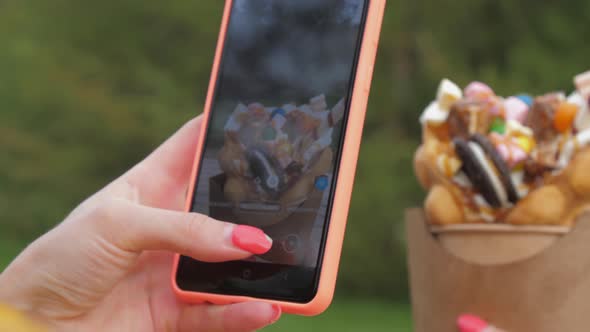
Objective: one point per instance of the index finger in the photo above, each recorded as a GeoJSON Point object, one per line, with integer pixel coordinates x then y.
{"type": "Point", "coordinates": [161, 179]}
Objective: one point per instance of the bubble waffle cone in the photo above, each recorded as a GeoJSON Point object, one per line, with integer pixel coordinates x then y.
{"type": "Point", "coordinates": [274, 158]}
{"type": "Point", "coordinates": [519, 161]}
{"type": "Point", "coordinates": [504, 228]}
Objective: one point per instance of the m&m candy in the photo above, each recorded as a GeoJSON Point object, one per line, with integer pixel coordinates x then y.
{"type": "Point", "coordinates": [269, 134]}
{"type": "Point", "coordinates": [498, 126]}
{"type": "Point", "coordinates": [321, 182]}
{"type": "Point", "coordinates": [525, 143]}
{"type": "Point", "coordinates": [527, 99]}
{"type": "Point", "coordinates": [564, 117]}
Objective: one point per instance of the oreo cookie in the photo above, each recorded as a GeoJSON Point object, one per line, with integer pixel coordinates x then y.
{"type": "Point", "coordinates": [486, 170]}
{"type": "Point", "coordinates": [266, 170]}
{"type": "Point", "coordinates": [501, 166]}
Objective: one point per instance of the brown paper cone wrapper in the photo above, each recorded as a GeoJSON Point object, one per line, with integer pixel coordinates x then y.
{"type": "Point", "coordinates": [535, 279]}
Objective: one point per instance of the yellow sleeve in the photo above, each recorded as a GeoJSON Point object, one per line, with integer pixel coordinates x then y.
{"type": "Point", "coordinates": [14, 321]}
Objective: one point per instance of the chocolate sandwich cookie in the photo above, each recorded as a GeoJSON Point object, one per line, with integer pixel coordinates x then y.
{"type": "Point", "coordinates": [500, 164]}
{"type": "Point", "coordinates": [492, 182]}
{"type": "Point", "coordinates": [266, 170]}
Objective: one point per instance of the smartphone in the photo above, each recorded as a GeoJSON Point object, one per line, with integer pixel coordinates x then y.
{"type": "Point", "coordinates": [282, 128]}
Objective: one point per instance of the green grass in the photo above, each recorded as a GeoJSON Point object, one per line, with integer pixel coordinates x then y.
{"type": "Point", "coordinates": [350, 315]}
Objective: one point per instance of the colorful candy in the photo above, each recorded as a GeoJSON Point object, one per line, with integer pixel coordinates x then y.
{"type": "Point", "coordinates": [515, 109]}
{"type": "Point", "coordinates": [564, 117]}
{"type": "Point", "coordinates": [527, 99]}
{"type": "Point", "coordinates": [498, 126]}
{"type": "Point", "coordinates": [497, 151]}
{"type": "Point", "coordinates": [269, 134]}
{"type": "Point", "coordinates": [278, 118]}
{"type": "Point", "coordinates": [321, 183]}
{"type": "Point", "coordinates": [525, 143]}
{"type": "Point", "coordinates": [512, 153]}
{"type": "Point", "coordinates": [271, 149]}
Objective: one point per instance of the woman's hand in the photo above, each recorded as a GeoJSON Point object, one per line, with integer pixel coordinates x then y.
{"type": "Point", "coordinates": [107, 266]}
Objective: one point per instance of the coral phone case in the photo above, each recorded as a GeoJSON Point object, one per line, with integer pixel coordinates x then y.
{"type": "Point", "coordinates": [344, 186]}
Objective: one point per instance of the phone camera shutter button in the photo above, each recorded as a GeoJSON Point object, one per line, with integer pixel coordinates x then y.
{"type": "Point", "coordinates": [247, 274]}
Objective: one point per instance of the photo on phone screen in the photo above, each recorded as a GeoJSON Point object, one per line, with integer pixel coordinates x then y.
{"type": "Point", "coordinates": [274, 141]}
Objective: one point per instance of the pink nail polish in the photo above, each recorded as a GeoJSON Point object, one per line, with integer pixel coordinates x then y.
{"type": "Point", "coordinates": [276, 313]}
{"type": "Point", "coordinates": [251, 239]}
{"type": "Point", "coordinates": [471, 323]}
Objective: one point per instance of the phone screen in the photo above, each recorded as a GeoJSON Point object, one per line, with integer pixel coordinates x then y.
{"type": "Point", "coordinates": [274, 141]}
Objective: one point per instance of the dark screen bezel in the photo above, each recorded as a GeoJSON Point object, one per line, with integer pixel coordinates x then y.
{"type": "Point", "coordinates": [311, 294]}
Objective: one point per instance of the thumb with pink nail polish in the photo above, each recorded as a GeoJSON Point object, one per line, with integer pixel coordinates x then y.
{"type": "Point", "coordinates": [472, 323]}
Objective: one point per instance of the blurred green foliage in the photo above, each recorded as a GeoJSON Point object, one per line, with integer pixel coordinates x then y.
{"type": "Point", "coordinates": [87, 88]}
{"type": "Point", "coordinates": [351, 315]}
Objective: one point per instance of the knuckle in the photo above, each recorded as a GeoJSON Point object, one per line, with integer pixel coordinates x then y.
{"type": "Point", "coordinates": [195, 225]}
{"type": "Point", "coordinates": [105, 211]}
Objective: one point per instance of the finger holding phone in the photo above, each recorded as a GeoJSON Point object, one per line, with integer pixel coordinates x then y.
{"type": "Point", "coordinates": [106, 267]}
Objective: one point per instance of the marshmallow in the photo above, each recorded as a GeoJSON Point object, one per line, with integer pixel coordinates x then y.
{"type": "Point", "coordinates": [234, 122]}
{"type": "Point", "coordinates": [318, 103]}
{"type": "Point", "coordinates": [515, 109]}
{"type": "Point", "coordinates": [338, 112]}
{"type": "Point", "coordinates": [319, 145]}
{"type": "Point", "coordinates": [509, 149]}
{"type": "Point", "coordinates": [448, 93]}
{"type": "Point", "coordinates": [478, 90]}
{"type": "Point", "coordinates": [289, 108]}
{"type": "Point", "coordinates": [434, 114]}
{"type": "Point", "coordinates": [511, 153]}
{"type": "Point", "coordinates": [582, 82]}
{"type": "Point", "coordinates": [582, 121]}
{"type": "Point", "coordinates": [571, 147]}
{"type": "Point", "coordinates": [515, 128]}
{"type": "Point", "coordinates": [255, 107]}
{"type": "Point", "coordinates": [306, 109]}
{"type": "Point", "coordinates": [324, 118]}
